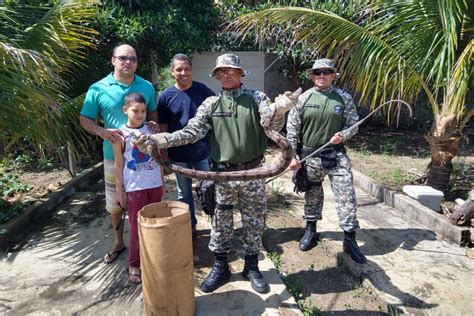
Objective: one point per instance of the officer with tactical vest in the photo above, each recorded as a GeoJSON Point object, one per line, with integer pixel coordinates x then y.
{"type": "Point", "coordinates": [321, 115]}
{"type": "Point", "coordinates": [233, 119]}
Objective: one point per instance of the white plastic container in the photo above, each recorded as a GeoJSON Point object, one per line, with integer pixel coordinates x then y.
{"type": "Point", "coordinates": [425, 195]}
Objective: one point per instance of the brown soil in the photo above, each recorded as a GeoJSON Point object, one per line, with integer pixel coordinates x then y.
{"type": "Point", "coordinates": [316, 278]}
{"type": "Point", "coordinates": [40, 184]}
{"type": "Point", "coordinates": [44, 182]}
{"type": "Point", "coordinates": [399, 157]}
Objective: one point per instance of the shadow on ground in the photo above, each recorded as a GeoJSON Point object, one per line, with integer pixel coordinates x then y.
{"type": "Point", "coordinates": [312, 278]}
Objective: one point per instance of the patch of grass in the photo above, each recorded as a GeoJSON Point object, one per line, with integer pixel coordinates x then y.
{"type": "Point", "coordinates": [460, 166]}
{"type": "Point", "coordinates": [29, 161]}
{"type": "Point", "coordinates": [310, 310]}
{"type": "Point", "coordinates": [46, 164]}
{"type": "Point", "coordinates": [5, 163]}
{"type": "Point", "coordinates": [395, 178]}
{"type": "Point", "coordinates": [277, 188]}
{"type": "Point", "coordinates": [285, 205]}
{"type": "Point", "coordinates": [358, 291]}
{"type": "Point", "coordinates": [421, 153]}
{"type": "Point", "coordinates": [363, 152]}
{"type": "Point", "coordinates": [398, 177]}
{"type": "Point", "coordinates": [319, 241]}
{"type": "Point", "coordinates": [278, 196]}
{"type": "Point", "coordinates": [388, 146]}
{"type": "Point", "coordinates": [294, 286]}
{"type": "Point", "coordinates": [373, 174]}
{"type": "Point", "coordinates": [276, 259]}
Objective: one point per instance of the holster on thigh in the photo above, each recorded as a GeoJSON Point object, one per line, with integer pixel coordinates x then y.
{"type": "Point", "coordinates": [328, 158]}
{"type": "Point", "coordinates": [301, 181]}
{"type": "Point", "coordinates": [205, 192]}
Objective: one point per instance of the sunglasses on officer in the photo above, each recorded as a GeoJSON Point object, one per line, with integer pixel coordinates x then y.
{"type": "Point", "coordinates": [325, 72]}
{"type": "Point", "coordinates": [123, 59]}
{"type": "Point", "coordinates": [229, 71]}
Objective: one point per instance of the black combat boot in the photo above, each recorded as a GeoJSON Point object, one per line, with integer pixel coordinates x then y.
{"type": "Point", "coordinates": [350, 247]}
{"type": "Point", "coordinates": [310, 236]}
{"type": "Point", "coordinates": [219, 274]}
{"type": "Point", "coordinates": [252, 273]}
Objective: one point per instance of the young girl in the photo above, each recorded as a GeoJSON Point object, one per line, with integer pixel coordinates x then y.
{"type": "Point", "coordinates": [136, 173]}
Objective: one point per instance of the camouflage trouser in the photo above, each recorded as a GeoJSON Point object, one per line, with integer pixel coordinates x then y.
{"type": "Point", "coordinates": [342, 186]}
{"type": "Point", "coordinates": [250, 197]}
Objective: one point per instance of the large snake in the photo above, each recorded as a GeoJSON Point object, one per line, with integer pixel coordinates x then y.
{"type": "Point", "coordinates": [278, 165]}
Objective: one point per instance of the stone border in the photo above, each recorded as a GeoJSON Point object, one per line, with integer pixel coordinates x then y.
{"type": "Point", "coordinates": [410, 208]}
{"type": "Point", "coordinates": [13, 230]}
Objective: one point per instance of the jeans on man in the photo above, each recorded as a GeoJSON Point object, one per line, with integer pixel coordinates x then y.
{"type": "Point", "coordinates": [184, 185]}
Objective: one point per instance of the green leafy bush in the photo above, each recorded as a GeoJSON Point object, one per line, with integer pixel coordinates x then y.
{"type": "Point", "coordinates": [9, 185]}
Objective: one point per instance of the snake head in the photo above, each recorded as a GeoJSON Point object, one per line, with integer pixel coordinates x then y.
{"type": "Point", "coordinates": [294, 95]}
{"type": "Point", "coordinates": [145, 144]}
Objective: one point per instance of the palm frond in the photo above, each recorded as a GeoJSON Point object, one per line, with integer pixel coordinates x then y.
{"type": "Point", "coordinates": [60, 34]}
{"type": "Point", "coordinates": [375, 69]}
{"type": "Point", "coordinates": [458, 86]}
{"type": "Point", "coordinates": [34, 51]}
{"type": "Point", "coordinates": [426, 33]}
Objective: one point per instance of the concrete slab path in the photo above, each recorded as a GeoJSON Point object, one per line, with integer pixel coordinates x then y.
{"type": "Point", "coordinates": [58, 270]}
{"type": "Point", "coordinates": [411, 268]}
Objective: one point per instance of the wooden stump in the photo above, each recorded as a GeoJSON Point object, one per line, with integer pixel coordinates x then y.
{"type": "Point", "coordinates": [462, 215]}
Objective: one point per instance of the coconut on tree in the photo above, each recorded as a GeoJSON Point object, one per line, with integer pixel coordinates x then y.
{"type": "Point", "coordinates": [393, 49]}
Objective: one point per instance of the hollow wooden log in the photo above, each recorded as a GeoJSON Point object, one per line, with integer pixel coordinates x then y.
{"type": "Point", "coordinates": [463, 214]}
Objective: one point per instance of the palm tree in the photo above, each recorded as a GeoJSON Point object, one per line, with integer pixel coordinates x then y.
{"type": "Point", "coordinates": [395, 49]}
{"type": "Point", "coordinates": [38, 46]}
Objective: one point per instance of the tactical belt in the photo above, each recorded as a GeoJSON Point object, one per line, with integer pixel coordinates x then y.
{"type": "Point", "coordinates": [306, 151]}
{"type": "Point", "coordinates": [216, 166]}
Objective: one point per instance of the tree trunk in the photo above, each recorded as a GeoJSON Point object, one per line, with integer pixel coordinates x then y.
{"type": "Point", "coordinates": [443, 139]}
{"type": "Point", "coordinates": [438, 176]}
{"type": "Point", "coordinates": [463, 214]}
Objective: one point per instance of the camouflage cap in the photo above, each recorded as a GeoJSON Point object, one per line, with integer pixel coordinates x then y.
{"type": "Point", "coordinates": [323, 63]}
{"type": "Point", "coordinates": [228, 61]}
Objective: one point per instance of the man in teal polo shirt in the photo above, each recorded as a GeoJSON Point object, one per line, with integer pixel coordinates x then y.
{"type": "Point", "coordinates": [105, 98]}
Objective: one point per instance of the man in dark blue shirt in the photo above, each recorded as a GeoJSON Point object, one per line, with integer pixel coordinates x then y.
{"type": "Point", "coordinates": [176, 105]}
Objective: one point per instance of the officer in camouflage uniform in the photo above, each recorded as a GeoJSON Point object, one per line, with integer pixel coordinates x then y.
{"type": "Point", "coordinates": [234, 121]}
{"type": "Point", "coordinates": [321, 115]}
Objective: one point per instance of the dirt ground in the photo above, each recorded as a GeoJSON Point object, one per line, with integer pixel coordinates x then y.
{"type": "Point", "coordinates": [398, 157]}
{"type": "Point", "coordinates": [43, 182]}
{"type": "Point", "coordinates": [316, 278]}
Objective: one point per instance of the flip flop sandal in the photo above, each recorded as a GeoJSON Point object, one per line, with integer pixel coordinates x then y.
{"type": "Point", "coordinates": [132, 275]}
{"type": "Point", "coordinates": [112, 256]}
